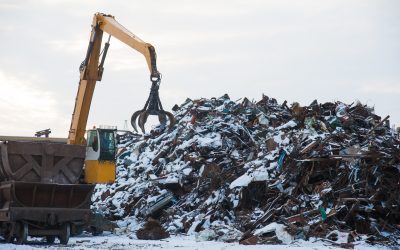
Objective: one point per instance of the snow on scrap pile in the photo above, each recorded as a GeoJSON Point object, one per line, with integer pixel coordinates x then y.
{"type": "Point", "coordinates": [259, 172]}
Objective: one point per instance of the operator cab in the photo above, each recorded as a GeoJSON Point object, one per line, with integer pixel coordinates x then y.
{"type": "Point", "coordinates": [100, 155]}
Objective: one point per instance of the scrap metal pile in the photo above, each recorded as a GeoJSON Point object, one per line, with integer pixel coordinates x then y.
{"type": "Point", "coordinates": [260, 172]}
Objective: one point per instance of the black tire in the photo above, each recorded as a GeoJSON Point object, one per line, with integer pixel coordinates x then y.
{"type": "Point", "coordinates": [50, 239]}
{"type": "Point", "coordinates": [9, 238]}
{"type": "Point", "coordinates": [65, 233]}
{"type": "Point", "coordinates": [22, 232]}
{"type": "Point", "coordinates": [96, 231]}
{"type": "Point", "coordinates": [9, 234]}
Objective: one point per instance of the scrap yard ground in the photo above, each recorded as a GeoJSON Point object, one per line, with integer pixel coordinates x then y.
{"type": "Point", "coordinates": [278, 128]}
{"type": "Point", "coordinates": [186, 243]}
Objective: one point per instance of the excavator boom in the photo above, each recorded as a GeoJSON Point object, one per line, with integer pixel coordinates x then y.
{"type": "Point", "coordinates": [92, 70]}
{"type": "Point", "coordinates": [109, 25]}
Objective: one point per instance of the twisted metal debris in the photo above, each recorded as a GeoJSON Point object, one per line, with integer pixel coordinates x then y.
{"type": "Point", "coordinates": [259, 172]}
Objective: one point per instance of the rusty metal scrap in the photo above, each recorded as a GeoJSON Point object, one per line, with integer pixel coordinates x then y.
{"type": "Point", "coordinates": [266, 172]}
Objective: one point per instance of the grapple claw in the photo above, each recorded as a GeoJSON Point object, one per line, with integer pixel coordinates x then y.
{"type": "Point", "coordinates": [171, 119]}
{"type": "Point", "coordinates": [142, 120]}
{"type": "Point", "coordinates": [142, 115]}
{"type": "Point", "coordinates": [162, 118]}
{"type": "Point", "coordinates": [153, 107]}
{"type": "Point", "coordinates": [133, 119]}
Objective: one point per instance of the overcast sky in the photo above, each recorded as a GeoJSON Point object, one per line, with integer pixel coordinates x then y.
{"type": "Point", "coordinates": [291, 50]}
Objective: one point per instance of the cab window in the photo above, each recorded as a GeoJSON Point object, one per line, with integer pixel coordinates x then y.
{"type": "Point", "coordinates": [107, 145]}
{"type": "Point", "coordinates": [92, 140]}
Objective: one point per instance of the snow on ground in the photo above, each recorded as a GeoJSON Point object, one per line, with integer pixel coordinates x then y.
{"type": "Point", "coordinates": [88, 242]}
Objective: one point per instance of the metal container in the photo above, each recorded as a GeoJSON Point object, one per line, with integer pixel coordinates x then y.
{"type": "Point", "coordinates": [48, 203]}
{"type": "Point", "coordinates": [43, 209]}
{"type": "Point", "coordinates": [43, 162]}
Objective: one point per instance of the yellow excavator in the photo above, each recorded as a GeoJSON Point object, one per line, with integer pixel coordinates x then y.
{"type": "Point", "coordinates": [101, 142]}
{"type": "Point", "coordinates": [42, 193]}
{"type": "Point", "coordinates": [101, 146]}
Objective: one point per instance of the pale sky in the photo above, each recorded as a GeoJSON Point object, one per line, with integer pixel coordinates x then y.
{"type": "Point", "coordinates": [291, 50]}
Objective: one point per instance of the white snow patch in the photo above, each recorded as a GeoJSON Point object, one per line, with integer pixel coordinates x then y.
{"type": "Point", "coordinates": [242, 181]}
{"type": "Point", "coordinates": [110, 241]}
{"type": "Point", "coordinates": [212, 140]}
{"type": "Point", "coordinates": [279, 230]}
{"type": "Point", "coordinates": [260, 174]}
{"type": "Point", "coordinates": [289, 124]}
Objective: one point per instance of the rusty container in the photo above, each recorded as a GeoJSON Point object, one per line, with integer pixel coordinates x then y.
{"type": "Point", "coordinates": [40, 194]}
{"type": "Point", "coordinates": [44, 202]}
{"type": "Point", "coordinates": [43, 162]}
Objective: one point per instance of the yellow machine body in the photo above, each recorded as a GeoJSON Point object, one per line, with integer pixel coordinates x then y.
{"type": "Point", "coordinates": [100, 159]}
{"type": "Point", "coordinates": [99, 171]}
{"type": "Point", "coordinates": [100, 156]}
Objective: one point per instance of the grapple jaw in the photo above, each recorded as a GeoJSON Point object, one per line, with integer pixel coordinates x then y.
{"type": "Point", "coordinates": [153, 106]}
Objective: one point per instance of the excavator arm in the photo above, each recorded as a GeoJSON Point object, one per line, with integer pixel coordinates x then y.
{"type": "Point", "coordinates": [92, 68]}
{"type": "Point", "coordinates": [109, 25]}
